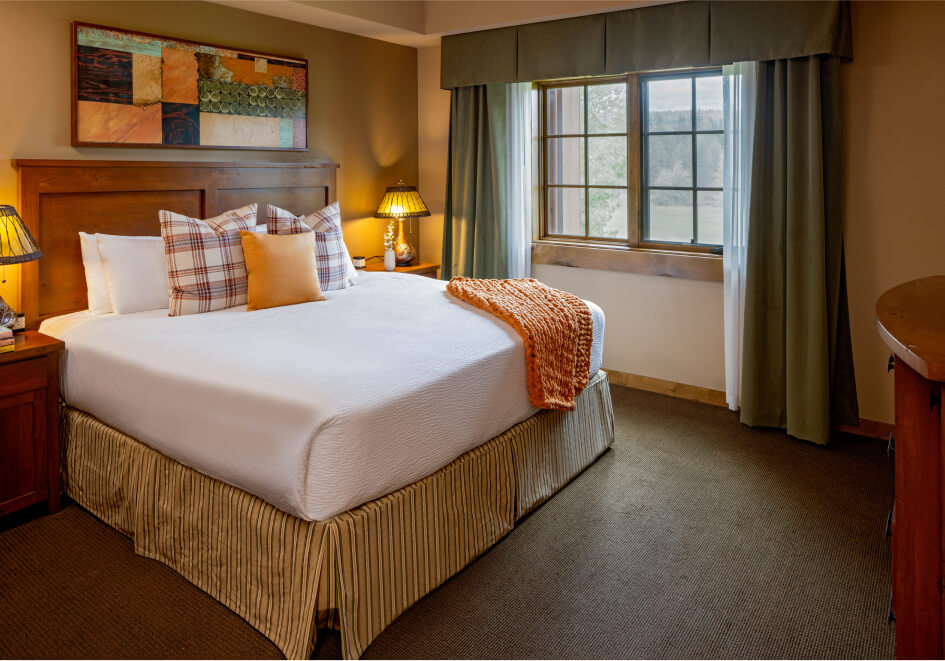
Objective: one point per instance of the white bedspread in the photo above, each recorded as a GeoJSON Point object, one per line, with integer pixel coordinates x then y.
{"type": "Point", "coordinates": [315, 408]}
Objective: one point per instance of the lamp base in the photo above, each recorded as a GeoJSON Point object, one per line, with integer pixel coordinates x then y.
{"type": "Point", "coordinates": [7, 314]}
{"type": "Point", "coordinates": [404, 253]}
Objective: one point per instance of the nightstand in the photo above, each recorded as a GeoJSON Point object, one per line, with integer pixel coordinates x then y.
{"type": "Point", "coordinates": [29, 423]}
{"type": "Point", "coordinates": [426, 269]}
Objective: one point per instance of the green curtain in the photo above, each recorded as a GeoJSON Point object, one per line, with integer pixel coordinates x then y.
{"type": "Point", "coordinates": [797, 370]}
{"type": "Point", "coordinates": [475, 225]}
{"type": "Point", "coordinates": [677, 34]}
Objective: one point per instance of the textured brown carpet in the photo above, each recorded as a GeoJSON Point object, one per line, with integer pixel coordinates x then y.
{"type": "Point", "coordinates": [693, 537]}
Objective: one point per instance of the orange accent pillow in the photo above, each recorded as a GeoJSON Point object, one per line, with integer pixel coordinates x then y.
{"type": "Point", "coordinates": [280, 269]}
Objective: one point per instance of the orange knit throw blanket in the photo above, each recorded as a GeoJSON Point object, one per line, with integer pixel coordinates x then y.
{"type": "Point", "coordinates": [556, 327]}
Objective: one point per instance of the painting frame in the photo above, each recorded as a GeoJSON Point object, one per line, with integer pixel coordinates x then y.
{"type": "Point", "coordinates": [186, 124]}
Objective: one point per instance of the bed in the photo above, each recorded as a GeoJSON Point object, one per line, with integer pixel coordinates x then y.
{"type": "Point", "coordinates": [322, 465]}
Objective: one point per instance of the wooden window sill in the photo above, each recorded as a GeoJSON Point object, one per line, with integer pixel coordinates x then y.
{"type": "Point", "coordinates": [673, 264]}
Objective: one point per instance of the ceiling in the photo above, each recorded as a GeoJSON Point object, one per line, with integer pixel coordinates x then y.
{"type": "Point", "coordinates": [420, 23]}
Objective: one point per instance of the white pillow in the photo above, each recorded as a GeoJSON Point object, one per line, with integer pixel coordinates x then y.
{"type": "Point", "coordinates": [95, 281]}
{"type": "Point", "coordinates": [136, 272]}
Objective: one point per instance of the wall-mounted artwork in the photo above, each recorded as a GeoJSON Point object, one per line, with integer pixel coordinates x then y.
{"type": "Point", "coordinates": [142, 90]}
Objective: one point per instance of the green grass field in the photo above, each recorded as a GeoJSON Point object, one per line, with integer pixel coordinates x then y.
{"type": "Point", "coordinates": [674, 223]}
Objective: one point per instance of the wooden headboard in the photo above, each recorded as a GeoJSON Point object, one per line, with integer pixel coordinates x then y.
{"type": "Point", "coordinates": [58, 199]}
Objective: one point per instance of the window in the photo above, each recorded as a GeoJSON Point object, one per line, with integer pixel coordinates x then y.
{"type": "Point", "coordinates": [586, 160]}
{"type": "Point", "coordinates": [682, 141]}
{"type": "Point", "coordinates": [634, 160]}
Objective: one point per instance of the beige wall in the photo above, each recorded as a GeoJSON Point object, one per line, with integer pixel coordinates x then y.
{"type": "Point", "coordinates": [665, 328]}
{"type": "Point", "coordinates": [894, 220]}
{"type": "Point", "coordinates": [403, 14]}
{"type": "Point", "coordinates": [433, 133]}
{"type": "Point", "coordinates": [895, 142]}
{"type": "Point", "coordinates": [362, 108]}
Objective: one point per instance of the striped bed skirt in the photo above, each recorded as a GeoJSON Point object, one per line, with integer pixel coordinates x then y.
{"type": "Point", "coordinates": [355, 572]}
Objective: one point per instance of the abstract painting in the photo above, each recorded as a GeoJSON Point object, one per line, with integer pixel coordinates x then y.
{"type": "Point", "coordinates": [137, 89]}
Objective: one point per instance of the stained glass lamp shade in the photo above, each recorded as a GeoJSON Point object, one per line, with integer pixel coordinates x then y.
{"type": "Point", "coordinates": [17, 246]}
{"type": "Point", "coordinates": [402, 201]}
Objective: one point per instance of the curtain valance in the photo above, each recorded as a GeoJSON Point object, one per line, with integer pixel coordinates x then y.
{"type": "Point", "coordinates": [683, 34]}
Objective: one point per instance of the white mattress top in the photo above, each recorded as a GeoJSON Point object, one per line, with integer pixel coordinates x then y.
{"type": "Point", "coordinates": [316, 408]}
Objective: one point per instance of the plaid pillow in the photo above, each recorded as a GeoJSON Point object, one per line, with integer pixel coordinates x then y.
{"type": "Point", "coordinates": [335, 270]}
{"type": "Point", "coordinates": [205, 267]}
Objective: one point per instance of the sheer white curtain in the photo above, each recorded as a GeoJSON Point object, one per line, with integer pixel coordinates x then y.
{"type": "Point", "coordinates": [518, 205]}
{"type": "Point", "coordinates": [739, 84]}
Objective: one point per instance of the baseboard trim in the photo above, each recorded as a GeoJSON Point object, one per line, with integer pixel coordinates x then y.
{"type": "Point", "coordinates": [664, 387]}
{"type": "Point", "coordinates": [868, 428]}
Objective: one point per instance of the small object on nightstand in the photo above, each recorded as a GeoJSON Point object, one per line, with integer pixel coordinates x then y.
{"type": "Point", "coordinates": [16, 247]}
{"type": "Point", "coordinates": [6, 340]}
{"type": "Point", "coordinates": [399, 202]}
{"type": "Point", "coordinates": [358, 261]}
{"type": "Point", "coordinates": [29, 418]}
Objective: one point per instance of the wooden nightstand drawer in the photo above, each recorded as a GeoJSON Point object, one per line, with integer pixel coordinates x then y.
{"type": "Point", "coordinates": [23, 474]}
{"type": "Point", "coordinates": [24, 375]}
{"type": "Point", "coordinates": [29, 423]}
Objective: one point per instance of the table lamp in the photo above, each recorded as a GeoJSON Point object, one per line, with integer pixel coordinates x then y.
{"type": "Point", "coordinates": [16, 247]}
{"type": "Point", "coordinates": [399, 202]}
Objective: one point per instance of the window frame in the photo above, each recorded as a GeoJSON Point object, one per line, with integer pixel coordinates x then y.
{"type": "Point", "coordinates": [636, 175]}
{"type": "Point", "coordinates": [633, 162]}
{"type": "Point", "coordinates": [694, 245]}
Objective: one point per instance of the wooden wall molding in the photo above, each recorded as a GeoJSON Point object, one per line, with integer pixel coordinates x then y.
{"type": "Point", "coordinates": [867, 428]}
{"type": "Point", "coordinates": [664, 387]}
{"type": "Point", "coordinates": [685, 265]}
